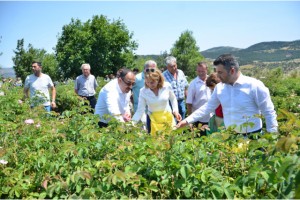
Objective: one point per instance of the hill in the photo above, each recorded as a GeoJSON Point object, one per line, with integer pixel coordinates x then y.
{"type": "Point", "coordinates": [7, 73]}
{"type": "Point", "coordinates": [276, 51]}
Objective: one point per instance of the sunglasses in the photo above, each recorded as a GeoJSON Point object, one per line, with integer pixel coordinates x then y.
{"type": "Point", "coordinates": [128, 83]}
{"type": "Point", "coordinates": [150, 70]}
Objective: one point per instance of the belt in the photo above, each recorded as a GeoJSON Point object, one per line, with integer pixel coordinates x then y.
{"type": "Point", "coordinates": [88, 97]}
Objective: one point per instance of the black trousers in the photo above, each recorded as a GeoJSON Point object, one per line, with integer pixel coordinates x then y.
{"type": "Point", "coordinates": [92, 100]}
{"type": "Point", "coordinates": [102, 124]}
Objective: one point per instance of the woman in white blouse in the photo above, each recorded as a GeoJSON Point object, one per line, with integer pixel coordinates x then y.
{"type": "Point", "coordinates": [156, 95]}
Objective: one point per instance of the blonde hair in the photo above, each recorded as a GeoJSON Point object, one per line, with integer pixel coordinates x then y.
{"type": "Point", "coordinates": [156, 76]}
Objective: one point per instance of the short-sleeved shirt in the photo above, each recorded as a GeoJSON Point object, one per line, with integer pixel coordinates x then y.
{"type": "Point", "coordinates": [86, 86]}
{"type": "Point", "coordinates": [39, 89]}
{"type": "Point", "coordinates": [198, 95]}
{"type": "Point", "coordinates": [178, 85]}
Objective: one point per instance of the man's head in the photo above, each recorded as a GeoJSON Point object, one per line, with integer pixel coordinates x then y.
{"type": "Point", "coordinates": [126, 79]}
{"type": "Point", "coordinates": [36, 68]}
{"type": "Point", "coordinates": [86, 69]}
{"type": "Point", "coordinates": [202, 70]}
{"type": "Point", "coordinates": [171, 64]}
{"type": "Point", "coordinates": [150, 66]}
{"type": "Point", "coordinates": [227, 68]}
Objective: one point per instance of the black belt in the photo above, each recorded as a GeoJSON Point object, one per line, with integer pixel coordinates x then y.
{"type": "Point", "coordinates": [88, 97]}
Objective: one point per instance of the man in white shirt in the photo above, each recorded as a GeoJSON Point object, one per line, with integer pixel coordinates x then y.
{"type": "Point", "coordinates": [243, 99]}
{"type": "Point", "coordinates": [39, 84]}
{"type": "Point", "coordinates": [85, 85]}
{"type": "Point", "coordinates": [198, 94]}
{"type": "Point", "coordinates": [114, 98]}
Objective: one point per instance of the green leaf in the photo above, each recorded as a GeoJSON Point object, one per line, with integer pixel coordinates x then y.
{"type": "Point", "coordinates": [179, 183]}
{"type": "Point", "coordinates": [187, 191]}
{"type": "Point", "coordinates": [78, 188]}
{"type": "Point", "coordinates": [183, 171]}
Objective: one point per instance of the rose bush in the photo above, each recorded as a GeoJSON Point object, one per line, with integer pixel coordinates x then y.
{"type": "Point", "coordinates": [66, 155]}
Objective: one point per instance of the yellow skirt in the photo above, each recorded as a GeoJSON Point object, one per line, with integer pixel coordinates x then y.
{"type": "Point", "coordinates": [160, 120]}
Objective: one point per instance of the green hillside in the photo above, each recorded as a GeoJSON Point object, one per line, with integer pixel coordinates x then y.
{"type": "Point", "coordinates": [260, 52]}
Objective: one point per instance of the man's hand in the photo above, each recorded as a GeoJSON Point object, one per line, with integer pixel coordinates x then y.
{"type": "Point", "coordinates": [127, 117]}
{"type": "Point", "coordinates": [182, 124]}
{"type": "Point", "coordinates": [53, 104]}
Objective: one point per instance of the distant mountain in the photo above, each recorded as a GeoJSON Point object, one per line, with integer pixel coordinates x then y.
{"type": "Point", "coordinates": [261, 52]}
{"type": "Point", "coordinates": [216, 51]}
{"type": "Point", "coordinates": [7, 73]}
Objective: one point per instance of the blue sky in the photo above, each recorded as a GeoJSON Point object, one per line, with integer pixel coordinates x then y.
{"type": "Point", "coordinates": [156, 25]}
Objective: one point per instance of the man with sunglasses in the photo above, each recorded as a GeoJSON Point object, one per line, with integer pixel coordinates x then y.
{"type": "Point", "coordinates": [114, 98]}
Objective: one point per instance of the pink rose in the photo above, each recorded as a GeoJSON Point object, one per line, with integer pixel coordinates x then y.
{"type": "Point", "coordinates": [29, 121]}
{"type": "Point", "coordinates": [3, 162]}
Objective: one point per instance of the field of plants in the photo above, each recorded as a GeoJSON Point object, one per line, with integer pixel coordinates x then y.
{"type": "Point", "coordinates": [65, 155]}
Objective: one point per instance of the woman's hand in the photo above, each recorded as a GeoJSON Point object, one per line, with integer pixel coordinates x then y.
{"type": "Point", "coordinates": [177, 116]}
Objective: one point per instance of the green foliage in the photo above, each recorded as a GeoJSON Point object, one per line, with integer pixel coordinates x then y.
{"type": "Point", "coordinates": [106, 45]}
{"type": "Point", "coordinates": [66, 155]}
{"type": "Point", "coordinates": [187, 53]}
{"type": "Point", "coordinates": [24, 57]}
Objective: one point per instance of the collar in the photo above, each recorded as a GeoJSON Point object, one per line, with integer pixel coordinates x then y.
{"type": "Point", "coordinates": [118, 87]}
{"type": "Point", "coordinates": [86, 77]}
{"type": "Point", "coordinates": [240, 80]}
{"type": "Point", "coordinates": [200, 80]}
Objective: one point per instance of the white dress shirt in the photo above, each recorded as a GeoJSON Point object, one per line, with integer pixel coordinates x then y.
{"type": "Point", "coordinates": [242, 102]}
{"type": "Point", "coordinates": [156, 103]}
{"type": "Point", "coordinates": [198, 95]}
{"type": "Point", "coordinates": [112, 101]}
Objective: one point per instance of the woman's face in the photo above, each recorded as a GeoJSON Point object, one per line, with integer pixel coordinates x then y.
{"type": "Point", "coordinates": [151, 83]}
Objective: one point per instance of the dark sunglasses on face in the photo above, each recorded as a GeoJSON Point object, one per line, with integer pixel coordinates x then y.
{"type": "Point", "coordinates": [128, 83]}
{"type": "Point", "coordinates": [150, 70]}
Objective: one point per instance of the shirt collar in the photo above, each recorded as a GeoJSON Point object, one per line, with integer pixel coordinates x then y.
{"type": "Point", "coordinates": [240, 79]}
{"type": "Point", "coordinates": [200, 80]}
{"type": "Point", "coordinates": [118, 87]}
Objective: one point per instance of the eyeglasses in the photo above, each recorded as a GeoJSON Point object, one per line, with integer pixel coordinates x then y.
{"type": "Point", "coordinates": [128, 83]}
{"type": "Point", "coordinates": [150, 70]}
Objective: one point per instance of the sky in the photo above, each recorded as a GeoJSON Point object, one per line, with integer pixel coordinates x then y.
{"type": "Point", "coordinates": [156, 25]}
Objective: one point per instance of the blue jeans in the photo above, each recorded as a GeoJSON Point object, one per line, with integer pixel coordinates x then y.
{"type": "Point", "coordinates": [47, 108]}
{"type": "Point", "coordinates": [181, 108]}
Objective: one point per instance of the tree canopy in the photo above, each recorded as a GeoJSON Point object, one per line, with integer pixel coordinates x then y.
{"type": "Point", "coordinates": [187, 53]}
{"type": "Point", "coordinates": [106, 46]}
{"type": "Point", "coordinates": [23, 59]}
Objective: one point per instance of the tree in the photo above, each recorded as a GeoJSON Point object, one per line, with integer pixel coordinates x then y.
{"type": "Point", "coordinates": [106, 46]}
{"type": "Point", "coordinates": [23, 59]}
{"type": "Point", "coordinates": [187, 53]}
